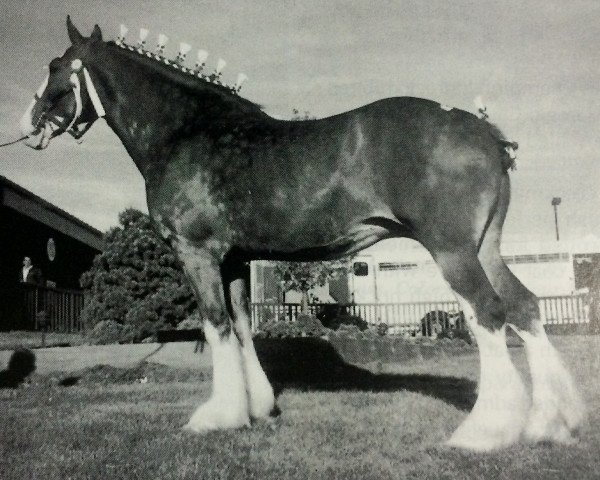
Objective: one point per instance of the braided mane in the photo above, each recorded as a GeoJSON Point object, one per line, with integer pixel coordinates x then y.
{"type": "Point", "coordinates": [176, 72]}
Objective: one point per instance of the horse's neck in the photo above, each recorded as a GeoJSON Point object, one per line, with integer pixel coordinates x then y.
{"type": "Point", "coordinates": [146, 115]}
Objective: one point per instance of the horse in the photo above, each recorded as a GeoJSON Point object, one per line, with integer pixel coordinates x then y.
{"type": "Point", "coordinates": [227, 184]}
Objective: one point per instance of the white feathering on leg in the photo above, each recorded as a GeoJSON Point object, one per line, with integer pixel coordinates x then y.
{"type": "Point", "coordinates": [228, 404]}
{"type": "Point", "coordinates": [557, 409]}
{"type": "Point", "coordinates": [260, 391]}
{"type": "Point", "coordinates": [500, 412]}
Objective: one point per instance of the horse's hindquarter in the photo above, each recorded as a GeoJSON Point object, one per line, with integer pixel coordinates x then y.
{"type": "Point", "coordinates": [439, 170]}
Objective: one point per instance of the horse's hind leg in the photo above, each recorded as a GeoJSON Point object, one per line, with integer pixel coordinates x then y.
{"type": "Point", "coordinates": [261, 399]}
{"type": "Point", "coordinates": [557, 409]}
{"type": "Point", "coordinates": [500, 412]}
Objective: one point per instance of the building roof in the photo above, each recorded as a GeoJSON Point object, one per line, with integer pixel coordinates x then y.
{"type": "Point", "coordinates": [27, 203]}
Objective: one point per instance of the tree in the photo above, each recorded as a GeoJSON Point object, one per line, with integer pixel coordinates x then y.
{"type": "Point", "coordinates": [304, 276]}
{"type": "Point", "coordinates": [136, 281]}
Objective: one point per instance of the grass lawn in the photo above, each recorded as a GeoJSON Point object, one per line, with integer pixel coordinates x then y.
{"type": "Point", "coordinates": [337, 421]}
{"type": "Point", "coordinates": [15, 339]}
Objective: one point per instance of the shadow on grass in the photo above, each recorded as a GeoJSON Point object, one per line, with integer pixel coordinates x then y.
{"type": "Point", "coordinates": [312, 364]}
{"type": "Point", "coordinates": [20, 366]}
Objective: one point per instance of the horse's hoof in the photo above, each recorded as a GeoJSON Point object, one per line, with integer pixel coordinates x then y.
{"type": "Point", "coordinates": [549, 427]}
{"type": "Point", "coordinates": [480, 439]}
{"type": "Point", "coordinates": [217, 415]}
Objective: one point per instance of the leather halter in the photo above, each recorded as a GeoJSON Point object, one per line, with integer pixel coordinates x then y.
{"type": "Point", "coordinates": [71, 127]}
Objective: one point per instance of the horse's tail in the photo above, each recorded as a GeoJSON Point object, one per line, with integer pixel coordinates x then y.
{"type": "Point", "coordinates": [507, 148]}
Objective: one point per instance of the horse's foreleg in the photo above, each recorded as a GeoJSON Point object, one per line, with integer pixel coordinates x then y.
{"type": "Point", "coordinates": [227, 406]}
{"type": "Point", "coordinates": [500, 412]}
{"type": "Point", "coordinates": [260, 392]}
{"type": "Point", "coordinates": [261, 399]}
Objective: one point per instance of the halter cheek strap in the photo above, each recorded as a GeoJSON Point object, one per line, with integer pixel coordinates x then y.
{"type": "Point", "coordinates": [93, 94]}
{"type": "Point", "coordinates": [77, 66]}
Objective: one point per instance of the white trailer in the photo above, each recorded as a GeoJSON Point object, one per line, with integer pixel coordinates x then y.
{"type": "Point", "coordinates": [403, 271]}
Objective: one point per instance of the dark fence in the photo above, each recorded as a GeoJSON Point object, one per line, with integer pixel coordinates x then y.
{"type": "Point", "coordinates": [421, 318]}
{"type": "Point", "coordinates": [55, 309]}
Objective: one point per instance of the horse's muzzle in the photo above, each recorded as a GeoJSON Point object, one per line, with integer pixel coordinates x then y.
{"type": "Point", "coordinates": [40, 138]}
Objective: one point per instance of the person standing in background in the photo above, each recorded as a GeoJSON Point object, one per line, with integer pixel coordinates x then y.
{"type": "Point", "coordinates": [30, 274]}
{"type": "Point", "coordinates": [33, 298]}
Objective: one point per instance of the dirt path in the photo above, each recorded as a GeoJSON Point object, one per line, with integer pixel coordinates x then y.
{"type": "Point", "coordinates": [69, 359]}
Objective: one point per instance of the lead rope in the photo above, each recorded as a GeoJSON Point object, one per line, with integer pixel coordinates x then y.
{"type": "Point", "coordinates": [36, 97]}
{"type": "Point", "coordinates": [13, 142]}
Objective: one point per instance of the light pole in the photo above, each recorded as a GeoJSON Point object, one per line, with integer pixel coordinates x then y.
{"type": "Point", "coordinates": [555, 203]}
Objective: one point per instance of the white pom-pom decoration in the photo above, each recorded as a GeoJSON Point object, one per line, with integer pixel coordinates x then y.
{"type": "Point", "coordinates": [478, 101]}
{"type": "Point", "coordinates": [184, 48]}
{"type": "Point", "coordinates": [122, 32]}
{"type": "Point", "coordinates": [143, 34]}
{"type": "Point", "coordinates": [76, 65]}
{"type": "Point", "coordinates": [220, 66]}
{"type": "Point", "coordinates": [241, 78]}
{"type": "Point", "coordinates": [202, 56]}
{"type": "Point", "coordinates": [162, 40]}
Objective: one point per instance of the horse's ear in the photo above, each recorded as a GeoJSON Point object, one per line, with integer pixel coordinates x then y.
{"type": "Point", "coordinates": [74, 34]}
{"type": "Point", "coordinates": [96, 34]}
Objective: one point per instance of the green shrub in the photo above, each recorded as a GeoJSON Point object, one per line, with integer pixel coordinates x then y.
{"type": "Point", "coordinates": [105, 332]}
{"type": "Point", "coordinates": [310, 326]}
{"type": "Point", "coordinates": [191, 323]}
{"type": "Point", "coordinates": [334, 315]}
{"type": "Point", "coordinates": [304, 326]}
{"type": "Point", "coordinates": [348, 330]}
{"type": "Point", "coordinates": [382, 329]}
{"type": "Point", "coordinates": [455, 334]}
{"type": "Point", "coordinates": [277, 329]}
{"type": "Point", "coordinates": [136, 282]}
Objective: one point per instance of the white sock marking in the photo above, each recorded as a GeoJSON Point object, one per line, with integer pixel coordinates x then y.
{"type": "Point", "coordinates": [557, 407]}
{"type": "Point", "coordinates": [228, 404]}
{"type": "Point", "coordinates": [500, 412]}
{"type": "Point", "coordinates": [260, 392]}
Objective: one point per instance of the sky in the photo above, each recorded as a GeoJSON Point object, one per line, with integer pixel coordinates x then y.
{"type": "Point", "coordinates": [535, 63]}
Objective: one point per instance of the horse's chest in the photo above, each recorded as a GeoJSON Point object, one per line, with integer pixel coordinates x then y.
{"type": "Point", "coordinates": [187, 209]}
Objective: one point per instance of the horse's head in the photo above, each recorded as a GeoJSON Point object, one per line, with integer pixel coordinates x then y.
{"type": "Point", "coordinates": [67, 100]}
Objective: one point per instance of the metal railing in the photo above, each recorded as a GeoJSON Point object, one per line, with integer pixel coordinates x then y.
{"type": "Point", "coordinates": [417, 317]}
{"type": "Point", "coordinates": [61, 310]}
{"type": "Point", "coordinates": [55, 309]}
{"type": "Point", "coordinates": [564, 310]}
